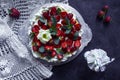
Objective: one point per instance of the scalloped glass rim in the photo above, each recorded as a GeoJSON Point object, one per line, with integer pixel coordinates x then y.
{"type": "Point", "coordinates": [86, 36]}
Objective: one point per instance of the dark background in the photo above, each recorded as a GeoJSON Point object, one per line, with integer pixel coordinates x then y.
{"type": "Point", "coordinates": [106, 37]}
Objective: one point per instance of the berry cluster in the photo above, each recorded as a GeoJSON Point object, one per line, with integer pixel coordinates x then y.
{"type": "Point", "coordinates": [102, 14]}
{"type": "Point", "coordinates": [64, 30]}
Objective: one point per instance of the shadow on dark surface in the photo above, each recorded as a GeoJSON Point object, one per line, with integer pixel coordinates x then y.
{"type": "Point", "coordinates": [106, 37]}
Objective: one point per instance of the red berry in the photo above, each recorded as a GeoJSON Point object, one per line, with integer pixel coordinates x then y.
{"type": "Point", "coordinates": [59, 56]}
{"type": "Point", "coordinates": [73, 49]}
{"type": "Point", "coordinates": [35, 39]}
{"type": "Point", "coordinates": [63, 14]}
{"type": "Point", "coordinates": [63, 22]}
{"type": "Point", "coordinates": [77, 44]}
{"type": "Point", "coordinates": [107, 19]}
{"type": "Point", "coordinates": [101, 14]}
{"type": "Point", "coordinates": [53, 54]}
{"type": "Point", "coordinates": [53, 11]}
{"type": "Point", "coordinates": [77, 27]}
{"type": "Point", "coordinates": [35, 48]}
{"type": "Point", "coordinates": [59, 33]}
{"type": "Point", "coordinates": [50, 24]}
{"type": "Point", "coordinates": [105, 8]}
{"type": "Point", "coordinates": [64, 44]}
{"type": "Point", "coordinates": [72, 21]}
{"type": "Point", "coordinates": [46, 14]}
{"type": "Point", "coordinates": [58, 26]}
{"type": "Point", "coordinates": [35, 29]}
{"type": "Point", "coordinates": [69, 42]}
{"type": "Point", "coordinates": [70, 16]}
{"type": "Point", "coordinates": [38, 43]}
{"type": "Point", "coordinates": [57, 18]}
{"type": "Point", "coordinates": [44, 27]}
{"type": "Point", "coordinates": [40, 23]}
{"type": "Point", "coordinates": [13, 12]}
{"type": "Point", "coordinates": [49, 47]}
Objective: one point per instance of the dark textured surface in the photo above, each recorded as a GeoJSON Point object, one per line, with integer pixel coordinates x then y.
{"type": "Point", "coordinates": [106, 37]}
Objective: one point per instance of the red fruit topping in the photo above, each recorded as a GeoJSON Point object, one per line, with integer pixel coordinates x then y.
{"type": "Point", "coordinates": [72, 21]}
{"type": "Point", "coordinates": [53, 54]}
{"type": "Point", "coordinates": [59, 56]}
{"type": "Point", "coordinates": [13, 12]}
{"type": "Point", "coordinates": [63, 22]}
{"type": "Point", "coordinates": [35, 29]}
{"type": "Point", "coordinates": [46, 14]}
{"type": "Point", "coordinates": [69, 42]}
{"type": "Point", "coordinates": [77, 44]}
{"type": "Point", "coordinates": [50, 24]}
{"type": "Point", "coordinates": [40, 23]}
{"type": "Point", "coordinates": [57, 18]}
{"type": "Point", "coordinates": [63, 14]}
{"type": "Point", "coordinates": [73, 49]}
{"type": "Point", "coordinates": [49, 47]}
{"type": "Point", "coordinates": [58, 26]}
{"type": "Point", "coordinates": [44, 54]}
{"type": "Point", "coordinates": [70, 36]}
{"type": "Point", "coordinates": [105, 8]}
{"type": "Point", "coordinates": [101, 14]}
{"type": "Point", "coordinates": [59, 33]}
{"type": "Point", "coordinates": [64, 44]}
{"type": "Point", "coordinates": [53, 11]}
{"type": "Point", "coordinates": [35, 39]}
{"type": "Point", "coordinates": [35, 48]}
{"type": "Point", "coordinates": [70, 16]}
{"type": "Point", "coordinates": [107, 19]}
{"type": "Point", "coordinates": [44, 27]}
{"type": "Point", "coordinates": [38, 43]}
{"type": "Point", "coordinates": [77, 27]}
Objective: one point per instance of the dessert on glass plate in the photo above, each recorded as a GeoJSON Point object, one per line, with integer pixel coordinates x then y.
{"type": "Point", "coordinates": [57, 33]}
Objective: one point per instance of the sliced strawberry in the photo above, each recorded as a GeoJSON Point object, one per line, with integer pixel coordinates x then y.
{"type": "Point", "coordinates": [64, 44]}
{"type": "Point", "coordinates": [57, 18]}
{"type": "Point", "coordinates": [35, 48]}
{"type": "Point", "coordinates": [53, 11]}
{"type": "Point", "coordinates": [59, 32]}
{"type": "Point", "coordinates": [49, 47]}
{"type": "Point", "coordinates": [63, 22]}
{"type": "Point", "coordinates": [70, 16]}
{"type": "Point", "coordinates": [59, 56]}
{"type": "Point", "coordinates": [70, 36]}
{"type": "Point", "coordinates": [77, 27]}
{"type": "Point", "coordinates": [46, 14]}
{"type": "Point", "coordinates": [35, 39]}
{"type": "Point", "coordinates": [38, 43]}
{"type": "Point", "coordinates": [44, 27]}
{"type": "Point", "coordinates": [53, 54]}
{"type": "Point", "coordinates": [72, 21]}
{"type": "Point", "coordinates": [69, 42]}
{"type": "Point", "coordinates": [58, 26]}
{"type": "Point", "coordinates": [40, 23]}
{"type": "Point", "coordinates": [35, 29]}
{"type": "Point", "coordinates": [73, 49]}
{"type": "Point", "coordinates": [63, 14]}
{"type": "Point", "coordinates": [77, 44]}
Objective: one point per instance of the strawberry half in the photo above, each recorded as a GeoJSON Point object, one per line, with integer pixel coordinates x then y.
{"type": "Point", "coordinates": [63, 14]}
{"type": "Point", "coordinates": [64, 44]}
{"type": "Point", "coordinates": [46, 15]}
{"type": "Point", "coordinates": [13, 12]}
{"type": "Point", "coordinates": [53, 11]}
{"type": "Point", "coordinates": [59, 56]}
{"type": "Point", "coordinates": [58, 26]}
{"type": "Point", "coordinates": [49, 47]}
{"type": "Point", "coordinates": [69, 42]}
{"type": "Point", "coordinates": [77, 44]}
{"type": "Point", "coordinates": [40, 23]}
{"type": "Point", "coordinates": [35, 48]}
{"type": "Point", "coordinates": [53, 54]}
{"type": "Point", "coordinates": [77, 27]}
{"type": "Point", "coordinates": [38, 43]}
{"type": "Point", "coordinates": [35, 29]}
{"type": "Point", "coordinates": [57, 18]}
{"type": "Point", "coordinates": [70, 16]}
{"type": "Point", "coordinates": [44, 27]}
{"type": "Point", "coordinates": [72, 21]}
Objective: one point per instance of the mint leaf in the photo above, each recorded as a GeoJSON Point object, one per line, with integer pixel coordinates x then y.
{"type": "Point", "coordinates": [56, 41]}
{"type": "Point", "coordinates": [41, 49]}
{"type": "Point", "coordinates": [43, 20]}
{"type": "Point", "coordinates": [32, 35]}
{"type": "Point", "coordinates": [58, 11]}
{"type": "Point", "coordinates": [68, 31]}
{"type": "Point", "coordinates": [76, 35]}
{"type": "Point", "coordinates": [54, 21]}
{"type": "Point", "coordinates": [59, 51]}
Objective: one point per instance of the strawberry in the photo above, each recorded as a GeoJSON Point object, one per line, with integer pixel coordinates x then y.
{"type": "Point", "coordinates": [53, 54]}
{"type": "Point", "coordinates": [105, 8]}
{"type": "Point", "coordinates": [44, 54]}
{"type": "Point", "coordinates": [59, 56]}
{"type": "Point", "coordinates": [13, 12]}
{"type": "Point", "coordinates": [77, 44]}
{"type": "Point", "coordinates": [64, 44]}
{"type": "Point", "coordinates": [49, 47]}
{"type": "Point", "coordinates": [35, 29]}
{"type": "Point", "coordinates": [58, 26]}
{"type": "Point", "coordinates": [72, 21]}
{"type": "Point", "coordinates": [35, 48]}
{"type": "Point", "coordinates": [57, 18]}
{"type": "Point", "coordinates": [63, 14]}
{"type": "Point", "coordinates": [70, 16]}
{"type": "Point", "coordinates": [38, 43]}
{"type": "Point", "coordinates": [35, 39]}
{"type": "Point", "coordinates": [44, 27]}
{"type": "Point", "coordinates": [63, 22]}
{"type": "Point", "coordinates": [53, 11]}
{"type": "Point", "coordinates": [77, 27]}
{"type": "Point", "coordinates": [59, 32]}
{"type": "Point", "coordinates": [69, 42]}
{"type": "Point", "coordinates": [73, 49]}
{"type": "Point", "coordinates": [101, 14]}
{"type": "Point", "coordinates": [40, 23]}
{"type": "Point", "coordinates": [46, 14]}
{"type": "Point", "coordinates": [107, 19]}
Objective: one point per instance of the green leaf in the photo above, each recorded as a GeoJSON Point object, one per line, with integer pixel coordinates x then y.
{"type": "Point", "coordinates": [41, 49]}
{"type": "Point", "coordinates": [59, 51]}
{"type": "Point", "coordinates": [76, 35]}
{"type": "Point", "coordinates": [68, 31]}
{"type": "Point", "coordinates": [32, 35]}
{"type": "Point", "coordinates": [56, 41]}
{"type": "Point", "coordinates": [54, 21]}
{"type": "Point", "coordinates": [58, 10]}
